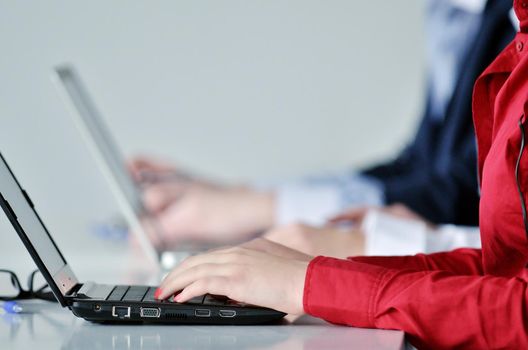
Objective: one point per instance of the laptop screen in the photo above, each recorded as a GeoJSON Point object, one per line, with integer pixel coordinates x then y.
{"type": "Point", "coordinates": [109, 158]}
{"type": "Point", "coordinates": [19, 208]}
{"type": "Point", "coordinates": [90, 121]}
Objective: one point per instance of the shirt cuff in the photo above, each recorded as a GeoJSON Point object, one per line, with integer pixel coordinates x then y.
{"type": "Point", "coordinates": [342, 290]}
{"type": "Point", "coordinates": [449, 237]}
{"type": "Point", "coordinates": [309, 204]}
{"type": "Point", "coordinates": [389, 235]}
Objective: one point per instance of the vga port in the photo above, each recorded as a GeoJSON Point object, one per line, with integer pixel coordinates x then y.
{"type": "Point", "coordinates": [152, 312]}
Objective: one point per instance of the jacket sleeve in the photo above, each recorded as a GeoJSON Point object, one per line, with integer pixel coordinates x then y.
{"type": "Point", "coordinates": [485, 312]}
{"type": "Point", "coordinates": [443, 190]}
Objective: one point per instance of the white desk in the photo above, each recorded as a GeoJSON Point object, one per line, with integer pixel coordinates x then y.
{"type": "Point", "coordinates": [57, 328]}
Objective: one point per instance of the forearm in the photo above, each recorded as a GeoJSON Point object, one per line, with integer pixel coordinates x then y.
{"type": "Point", "coordinates": [462, 261]}
{"type": "Point", "coordinates": [436, 309]}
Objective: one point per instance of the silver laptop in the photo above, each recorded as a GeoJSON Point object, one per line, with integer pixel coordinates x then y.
{"type": "Point", "coordinates": [112, 164]}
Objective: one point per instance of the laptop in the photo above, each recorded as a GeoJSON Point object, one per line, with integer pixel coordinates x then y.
{"type": "Point", "coordinates": [104, 302]}
{"type": "Point", "coordinates": [110, 161]}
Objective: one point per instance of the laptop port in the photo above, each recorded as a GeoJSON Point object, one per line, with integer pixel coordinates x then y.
{"type": "Point", "coordinates": [97, 307]}
{"type": "Point", "coordinates": [227, 313]}
{"type": "Point", "coordinates": [202, 313]}
{"type": "Point", "coordinates": [121, 311]}
{"type": "Point", "coordinates": [152, 312]}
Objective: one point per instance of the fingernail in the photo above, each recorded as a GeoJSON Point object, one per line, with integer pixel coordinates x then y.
{"type": "Point", "coordinates": [157, 293]}
{"type": "Point", "coordinates": [177, 297]}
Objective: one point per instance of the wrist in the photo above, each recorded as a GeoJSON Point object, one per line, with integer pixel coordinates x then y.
{"type": "Point", "coordinates": [297, 290]}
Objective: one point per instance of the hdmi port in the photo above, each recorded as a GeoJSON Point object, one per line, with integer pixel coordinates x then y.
{"type": "Point", "coordinates": [227, 313]}
{"type": "Point", "coordinates": [152, 312]}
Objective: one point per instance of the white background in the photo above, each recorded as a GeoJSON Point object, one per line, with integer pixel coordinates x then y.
{"type": "Point", "coordinates": [239, 90]}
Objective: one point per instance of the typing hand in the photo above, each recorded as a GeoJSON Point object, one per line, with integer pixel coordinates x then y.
{"type": "Point", "coordinates": [146, 169]}
{"type": "Point", "coordinates": [193, 209]}
{"type": "Point", "coordinates": [250, 274]}
{"type": "Point", "coordinates": [216, 215]}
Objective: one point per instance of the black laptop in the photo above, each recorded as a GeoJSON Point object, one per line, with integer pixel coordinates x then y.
{"type": "Point", "coordinates": [111, 303]}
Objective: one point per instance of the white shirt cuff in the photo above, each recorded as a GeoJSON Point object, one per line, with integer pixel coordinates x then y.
{"type": "Point", "coordinates": [389, 235]}
{"type": "Point", "coordinates": [313, 200]}
{"type": "Point", "coordinates": [309, 204]}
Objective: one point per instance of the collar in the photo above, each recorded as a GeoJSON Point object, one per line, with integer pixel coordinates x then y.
{"type": "Point", "coordinates": [521, 10]}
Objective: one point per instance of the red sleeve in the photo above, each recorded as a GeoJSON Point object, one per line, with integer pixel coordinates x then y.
{"type": "Point", "coordinates": [463, 261]}
{"type": "Point", "coordinates": [436, 309]}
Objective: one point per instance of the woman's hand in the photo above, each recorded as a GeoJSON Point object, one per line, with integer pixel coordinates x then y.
{"type": "Point", "coordinates": [259, 273]}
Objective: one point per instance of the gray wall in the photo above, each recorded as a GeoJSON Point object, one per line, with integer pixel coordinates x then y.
{"type": "Point", "coordinates": [241, 90]}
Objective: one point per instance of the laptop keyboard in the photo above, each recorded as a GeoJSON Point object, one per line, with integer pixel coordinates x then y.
{"type": "Point", "coordinates": [118, 293]}
{"type": "Point", "coordinates": [146, 294]}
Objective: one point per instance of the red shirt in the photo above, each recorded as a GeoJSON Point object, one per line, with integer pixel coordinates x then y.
{"type": "Point", "coordinates": [467, 298]}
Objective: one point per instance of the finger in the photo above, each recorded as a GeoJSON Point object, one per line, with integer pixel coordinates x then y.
{"type": "Point", "coordinates": [176, 283]}
{"type": "Point", "coordinates": [351, 215]}
{"type": "Point", "coordinates": [210, 285]}
{"type": "Point", "coordinates": [216, 257]}
{"type": "Point", "coordinates": [135, 166]}
{"type": "Point", "coordinates": [148, 169]}
{"type": "Point", "coordinates": [400, 210]}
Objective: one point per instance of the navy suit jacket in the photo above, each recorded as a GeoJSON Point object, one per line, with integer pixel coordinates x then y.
{"type": "Point", "coordinates": [436, 175]}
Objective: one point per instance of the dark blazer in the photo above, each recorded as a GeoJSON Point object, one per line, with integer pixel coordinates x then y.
{"type": "Point", "coordinates": [436, 175]}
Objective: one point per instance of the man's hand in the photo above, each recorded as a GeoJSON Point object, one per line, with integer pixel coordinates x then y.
{"type": "Point", "coordinates": [250, 274]}
{"type": "Point", "coordinates": [328, 241]}
{"type": "Point", "coordinates": [214, 215]}
{"type": "Point", "coordinates": [147, 169]}
{"type": "Point", "coordinates": [192, 209]}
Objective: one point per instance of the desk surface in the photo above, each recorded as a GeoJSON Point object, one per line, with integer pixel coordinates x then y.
{"type": "Point", "coordinates": [58, 328]}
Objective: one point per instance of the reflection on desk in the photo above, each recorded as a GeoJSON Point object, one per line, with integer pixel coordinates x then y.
{"type": "Point", "coordinates": [60, 329]}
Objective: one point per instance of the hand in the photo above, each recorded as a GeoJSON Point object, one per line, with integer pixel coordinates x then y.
{"type": "Point", "coordinates": [358, 214]}
{"type": "Point", "coordinates": [327, 241]}
{"type": "Point", "coordinates": [148, 169]}
{"type": "Point", "coordinates": [192, 209]}
{"type": "Point", "coordinates": [214, 214]}
{"type": "Point", "coordinates": [248, 275]}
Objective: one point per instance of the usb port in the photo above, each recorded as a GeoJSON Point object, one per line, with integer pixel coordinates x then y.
{"type": "Point", "coordinates": [202, 313]}
{"type": "Point", "coordinates": [227, 313]}
{"type": "Point", "coordinates": [121, 311]}
{"type": "Point", "coordinates": [146, 312]}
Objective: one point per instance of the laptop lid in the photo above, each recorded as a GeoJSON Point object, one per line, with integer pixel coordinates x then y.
{"type": "Point", "coordinates": [20, 211]}
{"type": "Point", "coordinates": [91, 123]}
{"type": "Point", "coordinates": [108, 156]}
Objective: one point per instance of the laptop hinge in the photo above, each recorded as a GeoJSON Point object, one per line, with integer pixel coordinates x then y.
{"type": "Point", "coordinates": [93, 291]}
{"type": "Point", "coordinates": [74, 290]}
